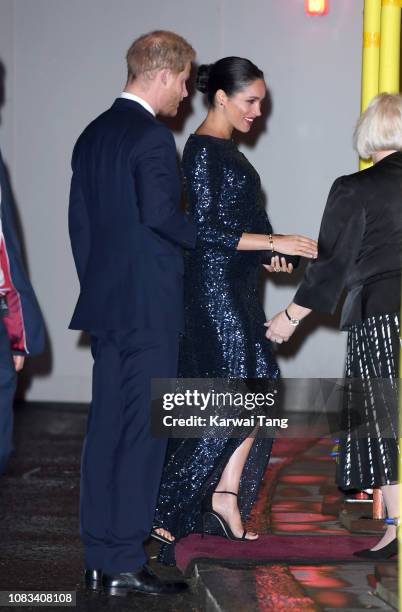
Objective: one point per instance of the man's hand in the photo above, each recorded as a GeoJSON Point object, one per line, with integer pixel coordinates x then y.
{"type": "Point", "coordinates": [278, 328]}
{"type": "Point", "coordinates": [18, 362]}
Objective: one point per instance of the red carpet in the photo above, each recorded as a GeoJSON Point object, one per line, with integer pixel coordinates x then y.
{"type": "Point", "coordinates": [270, 549]}
{"type": "Point", "coordinates": [285, 450]}
{"type": "Point", "coordinates": [288, 515]}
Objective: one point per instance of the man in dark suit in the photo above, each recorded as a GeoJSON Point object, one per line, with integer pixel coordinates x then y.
{"type": "Point", "coordinates": [127, 232]}
{"type": "Point", "coordinates": [21, 325]}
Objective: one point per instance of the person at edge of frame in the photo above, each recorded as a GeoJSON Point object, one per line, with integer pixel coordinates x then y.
{"type": "Point", "coordinates": [21, 323]}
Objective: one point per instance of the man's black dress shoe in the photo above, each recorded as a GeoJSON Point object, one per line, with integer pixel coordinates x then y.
{"type": "Point", "coordinates": [386, 552]}
{"type": "Point", "coordinates": [143, 581]}
{"type": "Point", "coordinates": [93, 579]}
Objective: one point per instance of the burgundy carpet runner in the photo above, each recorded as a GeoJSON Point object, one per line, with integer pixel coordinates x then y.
{"type": "Point", "coordinates": [270, 549]}
{"type": "Point", "coordinates": [288, 515]}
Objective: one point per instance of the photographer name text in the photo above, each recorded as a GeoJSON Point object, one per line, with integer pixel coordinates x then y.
{"type": "Point", "coordinates": [217, 421]}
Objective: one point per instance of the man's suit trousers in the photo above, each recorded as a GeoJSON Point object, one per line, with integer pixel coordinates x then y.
{"type": "Point", "coordinates": [8, 384]}
{"type": "Point", "coordinates": [122, 463]}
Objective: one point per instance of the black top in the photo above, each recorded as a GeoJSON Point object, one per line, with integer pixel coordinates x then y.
{"type": "Point", "coordinates": [359, 246]}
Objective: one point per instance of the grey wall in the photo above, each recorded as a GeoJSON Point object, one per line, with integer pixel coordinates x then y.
{"type": "Point", "coordinates": [65, 64]}
{"type": "Point", "coordinates": [7, 79]}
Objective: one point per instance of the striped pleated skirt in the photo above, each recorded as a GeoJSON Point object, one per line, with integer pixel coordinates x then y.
{"type": "Point", "coordinates": [368, 448]}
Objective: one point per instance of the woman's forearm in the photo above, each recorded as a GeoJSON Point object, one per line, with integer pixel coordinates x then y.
{"type": "Point", "coordinates": [298, 312]}
{"type": "Point", "coordinates": [288, 244]}
{"type": "Point", "coordinates": [253, 242]}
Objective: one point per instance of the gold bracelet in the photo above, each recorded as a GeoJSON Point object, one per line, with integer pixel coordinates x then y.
{"type": "Point", "coordinates": [271, 242]}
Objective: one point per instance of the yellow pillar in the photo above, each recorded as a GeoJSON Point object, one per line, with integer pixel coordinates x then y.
{"type": "Point", "coordinates": [371, 51]}
{"type": "Point", "coordinates": [371, 56]}
{"type": "Point", "coordinates": [390, 45]}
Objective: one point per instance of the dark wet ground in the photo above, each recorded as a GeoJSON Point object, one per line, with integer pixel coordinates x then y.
{"type": "Point", "coordinates": [40, 549]}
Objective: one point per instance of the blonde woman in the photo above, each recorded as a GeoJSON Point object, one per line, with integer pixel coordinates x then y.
{"type": "Point", "coordinates": [359, 249]}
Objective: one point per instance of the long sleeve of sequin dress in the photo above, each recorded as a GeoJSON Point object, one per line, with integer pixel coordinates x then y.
{"type": "Point", "coordinates": [224, 326]}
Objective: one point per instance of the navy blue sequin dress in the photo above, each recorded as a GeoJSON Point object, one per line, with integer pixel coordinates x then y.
{"type": "Point", "coordinates": [224, 326]}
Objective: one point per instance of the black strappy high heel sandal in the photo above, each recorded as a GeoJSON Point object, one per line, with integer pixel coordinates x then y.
{"type": "Point", "coordinates": [224, 528]}
{"type": "Point", "coordinates": [157, 536]}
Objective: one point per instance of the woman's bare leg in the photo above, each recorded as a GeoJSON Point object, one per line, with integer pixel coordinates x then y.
{"type": "Point", "coordinates": [391, 495]}
{"type": "Point", "coordinates": [226, 505]}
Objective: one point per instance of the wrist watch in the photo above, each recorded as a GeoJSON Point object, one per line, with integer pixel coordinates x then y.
{"type": "Point", "coordinates": [292, 320]}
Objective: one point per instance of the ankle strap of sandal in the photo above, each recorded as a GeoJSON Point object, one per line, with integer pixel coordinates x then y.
{"type": "Point", "coordinates": [228, 492]}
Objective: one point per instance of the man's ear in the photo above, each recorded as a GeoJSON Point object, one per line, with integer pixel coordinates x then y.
{"type": "Point", "coordinates": [164, 75]}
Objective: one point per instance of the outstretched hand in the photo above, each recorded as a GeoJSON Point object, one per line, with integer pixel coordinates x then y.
{"type": "Point", "coordinates": [278, 328]}
{"type": "Point", "coordinates": [296, 245]}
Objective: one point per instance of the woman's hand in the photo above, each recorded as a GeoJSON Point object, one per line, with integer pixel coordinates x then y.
{"type": "Point", "coordinates": [295, 245]}
{"type": "Point", "coordinates": [278, 328]}
{"type": "Point", "coordinates": [279, 266]}
{"type": "Point", "coordinates": [282, 326]}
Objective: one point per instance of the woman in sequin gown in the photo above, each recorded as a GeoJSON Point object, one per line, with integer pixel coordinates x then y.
{"type": "Point", "coordinates": [224, 319]}
{"type": "Point", "coordinates": [359, 250]}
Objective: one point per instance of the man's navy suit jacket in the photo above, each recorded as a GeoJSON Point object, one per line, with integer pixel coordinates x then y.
{"type": "Point", "coordinates": [126, 227]}
{"type": "Point", "coordinates": [28, 311]}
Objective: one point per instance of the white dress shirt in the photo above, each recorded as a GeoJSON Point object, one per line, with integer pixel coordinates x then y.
{"type": "Point", "coordinates": [144, 103]}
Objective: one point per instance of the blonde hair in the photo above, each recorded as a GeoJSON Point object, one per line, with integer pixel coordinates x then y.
{"type": "Point", "coordinates": [158, 50]}
{"type": "Point", "coordinates": [380, 126]}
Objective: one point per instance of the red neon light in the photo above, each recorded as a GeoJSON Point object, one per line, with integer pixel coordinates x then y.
{"type": "Point", "coordinates": [316, 7]}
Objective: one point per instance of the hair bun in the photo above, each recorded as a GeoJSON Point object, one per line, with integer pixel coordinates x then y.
{"type": "Point", "coordinates": [202, 79]}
